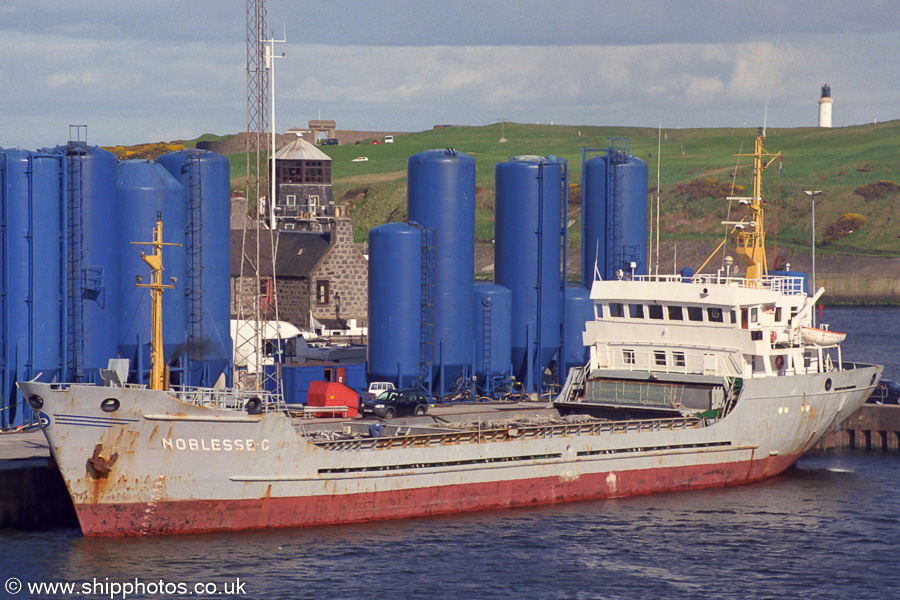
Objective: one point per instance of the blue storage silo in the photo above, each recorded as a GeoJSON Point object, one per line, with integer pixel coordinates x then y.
{"type": "Point", "coordinates": [528, 255]}
{"type": "Point", "coordinates": [579, 310]}
{"type": "Point", "coordinates": [492, 322]}
{"type": "Point", "coordinates": [205, 177]}
{"type": "Point", "coordinates": [441, 198]}
{"type": "Point", "coordinates": [144, 189]}
{"type": "Point", "coordinates": [395, 304]}
{"type": "Point", "coordinates": [32, 339]}
{"type": "Point", "coordinates": [91, 220]}
{"type": "Point", "coordinates": [614, 213]}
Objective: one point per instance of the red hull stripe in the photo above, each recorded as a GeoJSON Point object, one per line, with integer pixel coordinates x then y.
{"type": "Point", "coordinates": [192, 516]}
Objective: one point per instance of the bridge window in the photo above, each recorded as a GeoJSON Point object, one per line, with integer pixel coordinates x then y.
{"type": "Point", "coordinates": [655, 311]}
{"type": "Point", "coordinates": [616, 309]}
{"type": "Point", "coordinates": [695, 313]}
{"type": "Point", "coordinates": [659, 357]}
{"type": "Point", "coordinates": [676, 313]}
{"type": "Point", "coordinates": [636, 311]}
{"type": "Point", "coordinates": [714, 315]}
{"type": "Point", "coordinates": [628, 357]}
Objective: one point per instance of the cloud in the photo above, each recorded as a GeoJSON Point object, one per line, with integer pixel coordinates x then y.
{"type": "Point", "coordinates": [132, 71]}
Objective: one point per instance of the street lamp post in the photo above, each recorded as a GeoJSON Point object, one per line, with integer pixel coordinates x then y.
{"type": "Point", "coordinates": [812, 195]}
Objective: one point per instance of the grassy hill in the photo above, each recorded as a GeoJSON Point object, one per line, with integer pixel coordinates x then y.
{"type": "Point", "coordinates": [836, 161]}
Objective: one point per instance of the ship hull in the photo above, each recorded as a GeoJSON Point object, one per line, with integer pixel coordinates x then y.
{"type": "Point", "coordinates": [182, 468]}
{"type": "Point", "coordinates": [195, 516]}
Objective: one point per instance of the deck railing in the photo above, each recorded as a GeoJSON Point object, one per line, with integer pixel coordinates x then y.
{"type": "Point", "coordinates": [783, 284]}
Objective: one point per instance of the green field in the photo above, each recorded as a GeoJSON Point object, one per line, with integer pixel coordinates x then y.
{"type": "Point", "coordinates": [836, 161]}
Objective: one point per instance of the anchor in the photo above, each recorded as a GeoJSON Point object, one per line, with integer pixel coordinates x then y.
{"type": "Point", "coordinates": [100, 464]}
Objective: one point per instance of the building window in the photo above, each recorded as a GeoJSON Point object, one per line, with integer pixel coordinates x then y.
{"type": "Point", "coordinates": [292, 200]}
{"type": "Point", "coordinates": [322, 294]}
{"type": "Point", "coordinates": [266, 294]}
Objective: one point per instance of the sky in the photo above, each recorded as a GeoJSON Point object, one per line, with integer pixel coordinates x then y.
{"type": "Point", "coordinates": [136, 71]}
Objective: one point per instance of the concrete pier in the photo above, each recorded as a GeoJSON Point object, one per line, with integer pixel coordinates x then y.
{"type": "Point", "coordinates": [32, 492]}
{"type": "Point", "coordinates": [873, 428]}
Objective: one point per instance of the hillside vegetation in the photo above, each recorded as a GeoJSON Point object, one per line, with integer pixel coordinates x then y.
{"type": "Point", "coordinates": [857, 168]}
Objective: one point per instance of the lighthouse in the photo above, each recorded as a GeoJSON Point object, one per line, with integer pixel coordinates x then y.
{"type": "Point", "coordinates": [825, 107]}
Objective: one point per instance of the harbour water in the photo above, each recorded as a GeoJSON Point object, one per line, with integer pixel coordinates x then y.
{"type": "Point", "coordinates": [827, 528]}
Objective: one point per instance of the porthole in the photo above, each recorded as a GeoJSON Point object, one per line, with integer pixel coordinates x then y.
{"type": "Point", "coordinates": [110, 405]}
{"type": "Point", "coordinates": [36, 402]}
{"type": "Point", "coordinates": [828, 384]}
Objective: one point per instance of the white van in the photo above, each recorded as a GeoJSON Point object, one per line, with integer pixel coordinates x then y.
{"type": "Point", "coordinates": [388, 139]}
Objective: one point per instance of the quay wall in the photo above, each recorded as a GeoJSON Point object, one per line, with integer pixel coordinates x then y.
{"type": "Point", "coordinates": [873, 427]}
{"type": "Point", "coordinates": [34, 496]}
{"type": "Point", "coordinates": [860, 288]}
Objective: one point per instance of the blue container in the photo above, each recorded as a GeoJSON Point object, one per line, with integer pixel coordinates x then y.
{"type": "Point", "coordinates": [528, 259]}
{"type": "Point", "coordinates": [579, 310]}
{"type": "Point", "coordinates": [296, 379]}
{"type": "Point", "coordinates": [144, 190]}
{"type": "Point", "coordinates": [91, 220]}
{"type": "Point", "coordinates": [493, 320]}
{"type": "Point", "coordinates": [395, 305]}
{"type": "Point", "coordinates": [614, 209]}
{"type": "Point", "coordinates": [441, 197]}
{"type": "Point", "coordinates": [205, 177]}
{"type": "Point", "coordinates": [32, 336]}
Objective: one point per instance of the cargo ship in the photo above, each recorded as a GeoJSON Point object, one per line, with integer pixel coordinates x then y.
{"type": "Point", "coordinates": [693, 381]}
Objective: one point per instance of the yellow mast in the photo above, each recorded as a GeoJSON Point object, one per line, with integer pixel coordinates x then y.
{"type": "Point", "coordinates": [750, 237]}
{"type": "Point", "coordinates": [157, 361]}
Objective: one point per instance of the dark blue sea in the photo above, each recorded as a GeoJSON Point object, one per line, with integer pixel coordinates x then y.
{"type": "Point", "coordinates": [827, 528]}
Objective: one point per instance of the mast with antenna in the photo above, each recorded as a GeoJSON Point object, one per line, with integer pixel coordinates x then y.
{"type": "Point", "coordinates": [157, 360]}
{"type": "Point", "coordinates": [257, 272]}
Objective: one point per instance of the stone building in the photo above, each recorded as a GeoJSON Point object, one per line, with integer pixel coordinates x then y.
{"type": "Point", "coordinates": [303, 193]}
{"type": "Point", "coordinates": [321, 277]}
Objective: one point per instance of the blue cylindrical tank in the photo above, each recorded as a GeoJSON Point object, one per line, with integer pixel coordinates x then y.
{"type": "Point", "coordinates": [144, 189]}
{"type": "Point", "coordinates": [441, 197]}
{"type": "Point", "coordinates": [579, 310]}
{"type": "Point", "coordinates": [206, 180]}
{"type": "Point", "coordinates": [32, 340]}
{"type": "Point", "coordinates": [395, 305]}
{"type": "Point", "coordinates": [614, 222]}
{"type": "Point", "coordinates": [493, 320]}
{"type": "Point", "coordinates": [91, 221]}
{"type": "Point", "coordinates": [528, 259]}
